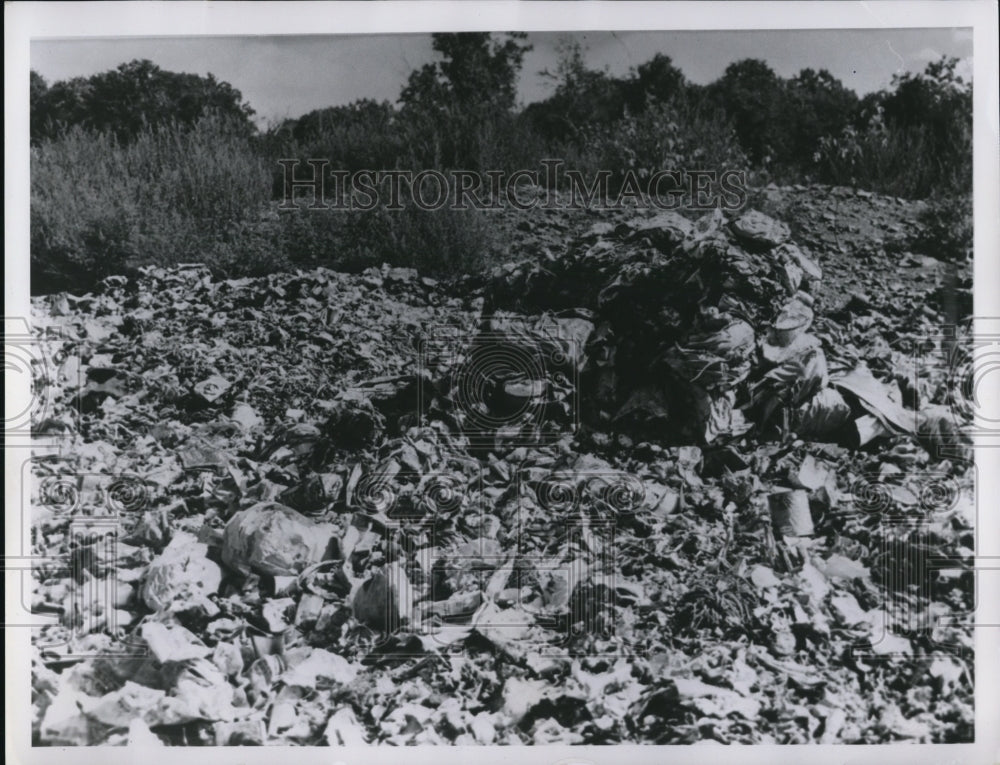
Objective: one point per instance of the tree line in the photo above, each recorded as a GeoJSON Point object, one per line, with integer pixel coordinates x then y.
{"type": "Point", "coordinates": [462, 111]}
{"type": "Point", "coordinates": [138, 165]}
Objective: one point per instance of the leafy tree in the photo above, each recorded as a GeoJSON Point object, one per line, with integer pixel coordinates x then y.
{"type": "Point", "coordinates": [476, 69]}
{"type": "Point", "coordinates": [655, 80]}
{"type": "Point", "coordinates": [135, 95]}
{"type": "Point", "coordinates": [38, 87]}
{"type": "Point", "coordinates": [937, 97]}
{"type": "Point", "coordinates": [817, 104]}
{"type": "Point", "coordinates": [455, 109]}
{"type": "Point", "coordinates": [56, 108]}
{"type": "Point", "coordinates": [753, 96]}
{"type": "Point", "coordinates": [583, 97]}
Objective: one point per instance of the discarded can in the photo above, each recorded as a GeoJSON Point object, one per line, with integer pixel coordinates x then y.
{"type": "Point", "coordinates": [308, 611]}
{"type": "Point", "coordinates": [264, 672]}
{"type": "Point", "coordinates": [266, 643]}
{"type": "Point", "coordinates": [790, 513]}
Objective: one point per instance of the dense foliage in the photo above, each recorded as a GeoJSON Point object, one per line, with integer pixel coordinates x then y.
{"type": "Point", "coordinates": [134, 96]}
{"type": "Point", "coordinates": [139, 165]}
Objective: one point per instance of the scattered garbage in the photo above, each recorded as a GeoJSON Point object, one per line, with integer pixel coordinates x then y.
{"type": "Point", "coordinates": [182, 576]}
{"type": "Point", "coordinates": [684, 332]}
{"type": "Point", "coordinates": [370, 503]}
{"type": "Point", "coordinates": [271, 538]}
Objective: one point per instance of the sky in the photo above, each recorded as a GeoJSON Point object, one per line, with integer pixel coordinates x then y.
{"type": "Point", "coordinates": [288, 76]}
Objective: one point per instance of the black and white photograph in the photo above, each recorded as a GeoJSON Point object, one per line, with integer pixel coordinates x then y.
{"type": "Point", "coordinates": [530, 385]}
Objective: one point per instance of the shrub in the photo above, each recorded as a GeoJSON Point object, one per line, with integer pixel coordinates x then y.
{"type": "Point", "coordinates": [947, 228]}
{"type": "Point", "coordinates": [442, 243]}
{"type": "Point", "coordinates": [101, 206]}
{"type": "Point", "coordinates": [903, 161]}
{"type": "Point", "coordinates": [678, 135]}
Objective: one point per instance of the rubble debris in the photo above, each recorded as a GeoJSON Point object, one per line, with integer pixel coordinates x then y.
{"type": "Point", "coordinates": [182, 576]}
{"type": "Point", "coordinates": [758, 230]}
{"type": "Point", "coordinates": [690, 385]}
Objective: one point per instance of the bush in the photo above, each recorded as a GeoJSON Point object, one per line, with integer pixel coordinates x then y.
{"type": "Point", "coordinates": [442, 243]}
{"type": "Point", "coordinates": [947, 228]}
{"type": "Point", "coordinates": [905, 162]}
{"type": "Point", "coordinates": [100, 206]}
{"type": "Point", "coordinates": [678, 135]}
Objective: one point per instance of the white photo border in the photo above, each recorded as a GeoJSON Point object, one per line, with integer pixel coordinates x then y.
{"type": "Point", "coordinates": [35, 20]}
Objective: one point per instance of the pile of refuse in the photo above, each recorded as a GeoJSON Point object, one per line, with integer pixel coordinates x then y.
{"type": "Point", "coordinates": [681, 332]}
{"type": "Point", "coordinates": [320, 508]}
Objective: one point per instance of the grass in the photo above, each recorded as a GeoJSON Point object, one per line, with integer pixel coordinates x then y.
{"type": "Point", "coordinates": [209, 193]}
{"type": "Point", "coordinates": [901, 162]}
{"type": "Point", "coordinates": [100, 207]}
